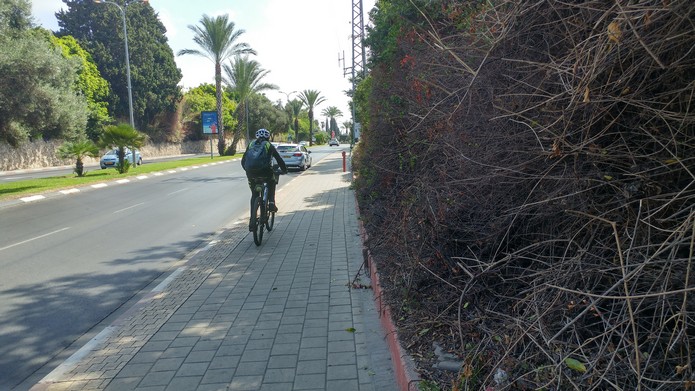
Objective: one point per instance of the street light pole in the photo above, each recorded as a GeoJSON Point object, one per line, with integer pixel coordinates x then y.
{"type": "Point", "coordinates": [287, 94]}
{"type": "Point", "coordinates": [127, 62]}
{"type": "Point", "coordinates": [288, 101]}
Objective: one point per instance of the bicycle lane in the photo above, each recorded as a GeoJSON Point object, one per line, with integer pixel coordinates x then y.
{"type": "Point", "coordinates": [242, 317]}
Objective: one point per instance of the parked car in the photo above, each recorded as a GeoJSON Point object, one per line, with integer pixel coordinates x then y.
{"type": "Point", "coordinates": [334, 141]}
{"type": "Point", "coordinates": [110, 159]}
{"type": "Point", "coordinates": [302, 143]}
{"type": "Point", "coordinates": [295, 156]}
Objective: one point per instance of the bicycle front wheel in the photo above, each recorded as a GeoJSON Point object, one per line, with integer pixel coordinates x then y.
{"type": "Point", "coordinates": [257, 218]}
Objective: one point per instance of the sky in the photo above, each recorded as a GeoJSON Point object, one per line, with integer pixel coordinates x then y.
{"type": "Point", "coordinates": [298, 41]}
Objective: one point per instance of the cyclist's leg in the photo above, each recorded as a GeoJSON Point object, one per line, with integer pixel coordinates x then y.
{"type": "Point", "coordinates": [271, 180]}
{"type": "Point", "coordinates": [252, 218]}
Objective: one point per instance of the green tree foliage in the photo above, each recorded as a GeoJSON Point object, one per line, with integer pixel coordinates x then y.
{"type": "Point", "coordinates": [122, 136]}
{"type": "Point", "coordinates": [202, 98]}
{"type": "Point", "coordinates": [15, 16]}
{"type": "Point", "coordinates": [264, 114]}
{"type": "Point", "coordinates": [245, 79]}
{"type": "Point", "coordinates": [89, 83]}
{"type": "Point", "coordinates": [217, 40]}
{"type": "Point", "coordinates": [78, 150]}
{"type": "Point", "coordinates": [154, 75]}
{"type": "Point", "coordinates": [332, 113]}
{"type": "Point", "coordinates": [37, 96]}
{"type": "Point", "coordinates": [296, 108]}
{"type": "Point", "coordinates": [311, 99]}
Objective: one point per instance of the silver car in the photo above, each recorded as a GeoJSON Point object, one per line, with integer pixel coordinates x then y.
{"type": "Point", "coordinates": [295, 156]}
{"type": "Point", "coordinates": [110, 159]}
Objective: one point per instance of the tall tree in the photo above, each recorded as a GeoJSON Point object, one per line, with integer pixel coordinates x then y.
{"type": "Point", "coordinates": [245, 78]}
{"type": "Point", "coordinates": [217, 39]}
{"type": "Point", "coordinates": [37, 95]}
{"type": "Point", "coordinates": [347, 125]}
{"type": "Point", "coordinates": [202, 98]}
{"type": "Point", "coordinates": [154, 76]}
{"type": "Point", "coordinates": [296, 105]}
{"type": "Point", "coordinates": [89, 83]}
{"type": "Point", "coordinates": [332, 113]}
{"type": "Point", "coordinates": [264, 114]}
{"type": "Point", "coordinates": [311, 99]}
{"type": "Point", "coordinates": [15, 16]}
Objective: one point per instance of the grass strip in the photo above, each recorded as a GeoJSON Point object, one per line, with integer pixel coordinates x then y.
{"type": "Point", "coordinates": [16, 189]}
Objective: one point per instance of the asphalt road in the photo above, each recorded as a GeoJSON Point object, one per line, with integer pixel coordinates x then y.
{"type": "Point", "coordinates": [18, 175]}
{"type": "Point", "coordinates": [69, 263]}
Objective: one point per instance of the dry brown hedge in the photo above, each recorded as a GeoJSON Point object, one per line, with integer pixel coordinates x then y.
{"type": "Point", "coordinates": [528, 184]}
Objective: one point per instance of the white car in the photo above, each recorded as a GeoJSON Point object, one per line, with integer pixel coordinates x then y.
{"type": "Point", "coordinates": [110, 159]}
{"type": "Point", "coordinates": [334, 141]}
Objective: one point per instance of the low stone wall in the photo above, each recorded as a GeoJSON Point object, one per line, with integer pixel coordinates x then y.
{"type": "Point", "coordinates": [41, 154]}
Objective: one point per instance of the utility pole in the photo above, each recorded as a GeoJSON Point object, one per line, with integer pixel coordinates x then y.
{"type": "Point", "coordinates": [358, 60]}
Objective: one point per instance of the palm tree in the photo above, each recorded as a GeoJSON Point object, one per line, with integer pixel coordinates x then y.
{"type": "Point", "coordinates": [347, 125]}
{"type": "Point", "coordinates": [311, 98]}
{"type": "Point", "coordinates": [78, 150]}
{"type": "Point", "coordinates": [332, 113]}
{"type": "Point", "coordinates": [296, 106]}
{"type": "Point", "coordinates": [122, 136]}
{"type": "Point", "coordinates": [217, 39]}
{"type": "Point", "coordinates": [245, 77]}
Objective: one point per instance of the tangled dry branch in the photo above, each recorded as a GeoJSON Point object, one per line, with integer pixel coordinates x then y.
{"type": "Point", "coordinates": [530, 189]}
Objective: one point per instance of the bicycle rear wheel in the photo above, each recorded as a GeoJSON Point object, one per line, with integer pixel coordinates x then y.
{"type": "Point", "coordinates": [257, 217]}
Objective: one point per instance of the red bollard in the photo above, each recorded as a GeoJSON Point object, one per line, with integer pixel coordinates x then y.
{"type": "Point", "coordinates": [344, 168]}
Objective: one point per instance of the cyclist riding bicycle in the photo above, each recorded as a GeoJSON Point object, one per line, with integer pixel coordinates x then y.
{"type": "Point", "coordinates": [257, 162]}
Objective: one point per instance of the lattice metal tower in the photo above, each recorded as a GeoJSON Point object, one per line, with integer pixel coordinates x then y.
{"type": "Point", "coordinates": [358, 54]}
{"type": "Point", "coordinates": [358, 59]}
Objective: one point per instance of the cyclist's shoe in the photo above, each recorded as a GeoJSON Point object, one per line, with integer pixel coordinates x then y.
{"type": "Point", "coordinates": [272, 207]}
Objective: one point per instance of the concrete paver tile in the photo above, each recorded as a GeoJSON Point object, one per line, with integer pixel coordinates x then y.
{"type": "Point", "coordinates": [282, 361]}
{"type": "Point", "coordinates": [192, 369]}
{"type": "Point", "coordinates": [310, 382]}
{"type": "Point", "coordinates": [308, 367]}
{"type": "Point", "coordinates": [246, 383]}
{"type": "Point", "coordinates": [186, 383]}
{"type": "Point", "coordinates": [218, 376]}
{"type": "Point", "coordinates": [157, 378]}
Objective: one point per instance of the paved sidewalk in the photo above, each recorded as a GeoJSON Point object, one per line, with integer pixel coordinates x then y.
{"type": "Point", "coordinates": [280, 316]}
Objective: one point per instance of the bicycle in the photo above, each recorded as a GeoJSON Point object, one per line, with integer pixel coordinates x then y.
{"type": "Point", "coordinates": [261, 217]}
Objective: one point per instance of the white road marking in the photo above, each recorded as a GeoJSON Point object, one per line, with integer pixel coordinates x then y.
{"type": "Point", "coordinates": [178, 191]}
{"type": "Point", "coordinates": [130, 207]}
{"type": "Point", "coordinates": [123, 181]}
{"type": "Point", "coordinates": [69, 191]}
{"type": "Point", "coordinates": [141, 177]}
{"type": "Point", "coordinates": [32, 239]}
{"type": "Point", "coordinates": [32, 198]}
{"type": "Point", "coordinates": [99, 185]}
{"type": "Point", "coordinates": [14, 178]}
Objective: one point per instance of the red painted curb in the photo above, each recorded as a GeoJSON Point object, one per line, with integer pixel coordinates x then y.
{"type": "Point", "coordinates": [403, 365]}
